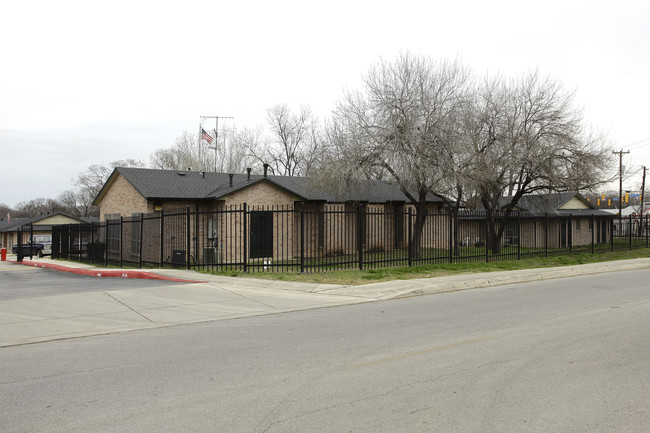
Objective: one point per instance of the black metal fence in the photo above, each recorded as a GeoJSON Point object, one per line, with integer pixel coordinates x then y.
{"type": "Point", "coordinates": [310, 239]}
{"type": "Point", "coordinates": [24, 242]}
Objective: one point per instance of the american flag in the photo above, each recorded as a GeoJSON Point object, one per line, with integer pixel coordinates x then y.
{"type": "Point", "coordinates": [206, 136]}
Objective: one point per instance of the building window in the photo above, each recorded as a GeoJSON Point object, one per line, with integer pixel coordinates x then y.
{"type": "Point", "coordinates": [577, 224]}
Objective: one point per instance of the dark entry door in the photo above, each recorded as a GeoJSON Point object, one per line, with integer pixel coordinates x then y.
{"type": "Point", "coordinates": [261, 237]}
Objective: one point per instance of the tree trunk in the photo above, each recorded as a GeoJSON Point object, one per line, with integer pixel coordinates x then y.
{"type": "Point", "coordinates": [495, 229]}
{"type": "Point", "coordinates": [455, 230]}
{"type": "Point", "coordinates": [418, 230]}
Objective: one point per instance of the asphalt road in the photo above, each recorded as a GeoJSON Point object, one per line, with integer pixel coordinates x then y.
{"type": "Point", "coordinates": [20, 282]}
{"type": "Point", "coordinates": [567, 355]}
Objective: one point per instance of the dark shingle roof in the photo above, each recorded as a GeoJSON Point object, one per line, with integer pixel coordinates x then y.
{"type": "Point", "coordinates": [6, 226]}
{"type": "Point", "coordinates": [541, 202]}
{"type": "Point", "coordinates": [551, 203]}
{"type": "Point", "coordinates": [192, 185]}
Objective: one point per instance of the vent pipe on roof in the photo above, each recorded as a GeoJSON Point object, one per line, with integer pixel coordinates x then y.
{"type": "Point", "coordinates": [248, 170]}
{"type": "Point", "coordinates": [266, 167]}
{"type": "Point", "coordinates": [231, 175]}
{"type": "Point", "coordinates": [202, 174]}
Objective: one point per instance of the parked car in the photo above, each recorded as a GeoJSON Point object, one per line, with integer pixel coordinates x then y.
{"type": "Point", "coordinates": [41, 246]}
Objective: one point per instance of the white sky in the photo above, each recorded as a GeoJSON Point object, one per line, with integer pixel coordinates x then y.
{"type": "Point", "coordinates": [84, 82]}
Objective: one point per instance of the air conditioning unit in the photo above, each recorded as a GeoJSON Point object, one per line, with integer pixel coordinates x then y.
{"type": "Point", "coordinates": [210, 256]}
{"type": "Point", "coordinates": [178, 257]}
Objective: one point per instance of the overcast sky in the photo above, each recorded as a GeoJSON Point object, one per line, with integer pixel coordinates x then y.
{"type": "Point", "coordinates": [84, 82]}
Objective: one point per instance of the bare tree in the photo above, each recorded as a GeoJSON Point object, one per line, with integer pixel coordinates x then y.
{"type": "Point", "coordinates": [90, 182]}
{"type": "Point", "coordinates": [73, 204]}
{"type": "Point", "coordinates": [5, 210]}
{"type": "Point", "coordinates": [233, 153]}
{"type": "Point", "coordinates": [37, 206]}
{"type": "Point", "coordinates": [528, 136]}
{"type": "Point", "coordinates": [188, 151]}
{"type": "Point", "coordinates": [403, 127]}
{"type": "Point", "coordinates": [292, 143]}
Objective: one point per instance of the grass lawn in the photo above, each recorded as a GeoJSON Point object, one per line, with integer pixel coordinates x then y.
{"type": "Point", "coordinates": [356, 277]}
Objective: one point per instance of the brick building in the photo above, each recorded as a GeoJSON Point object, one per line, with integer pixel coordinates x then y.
{"type": "Point", "coordinates": [561, 219]}
{"type": "Point", "coordinates": [273, 228]}
{"type": "Point", "coordinates": [39, 225]}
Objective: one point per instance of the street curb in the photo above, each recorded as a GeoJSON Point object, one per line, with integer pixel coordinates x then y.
{"type": "Point", "coordinates": [485, 281]}
{"type": "Point", "coordinates": [142, 275]}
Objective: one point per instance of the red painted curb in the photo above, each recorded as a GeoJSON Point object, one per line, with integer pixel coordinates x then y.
{"type": "Point", "coordinates": [143, 275]}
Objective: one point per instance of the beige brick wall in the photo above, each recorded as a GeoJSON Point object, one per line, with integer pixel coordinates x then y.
{"type": "Point", "coordinates": [261, 196]}
{"type": "Point", "coordinates": [334, 233]}
{"type": "Point", "coordinates": [262, 192]}
{"type": "Point", "coordinates": [123, 199]}
{"type": "Point", "coordinates": [532, 233]}
{"type": "Point", "coordinates": [581, 232]}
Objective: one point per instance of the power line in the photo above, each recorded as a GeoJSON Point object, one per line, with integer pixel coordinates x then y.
{"type": "Point", "coordinates": [640, 143]}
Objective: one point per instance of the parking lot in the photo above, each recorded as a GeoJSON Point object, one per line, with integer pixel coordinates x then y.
{"type": "Point", "coordinates": [20, 282]}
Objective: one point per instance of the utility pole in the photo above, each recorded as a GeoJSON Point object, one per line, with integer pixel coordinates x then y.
{"type": "Point", "coordinates": [642, 192]}
{"type": "Point", "coordinates": [216, 135]}
{"type": "Point", "coordinates": [620, 179]}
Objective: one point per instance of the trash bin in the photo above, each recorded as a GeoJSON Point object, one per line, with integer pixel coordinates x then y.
{"type": "Point", "coordinates": [178, 257]}
{"type": "Point", "coordinates": [3, 254]}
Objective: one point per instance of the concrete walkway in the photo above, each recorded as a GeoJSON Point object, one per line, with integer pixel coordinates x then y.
{"type": "Point", "coordinates": [201, 297]}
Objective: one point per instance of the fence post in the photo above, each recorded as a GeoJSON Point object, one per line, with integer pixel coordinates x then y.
{"type": "Point", "coordinates": [646, 230]}
{"type": "Point", "coordinates": [570, 233]}
{"type": "Point", "coordinates": [141, 239]}
{"type": "Point", "coordinates": [546, 235]}
{"type": "Point", "coordinates": [162, 237]}
{"type": "Point", "coordinates": [611, 233]}
{"type": "Point", "coordinates": [451, 237]}
{"type": "Point", "coordinates": [487, 239]}
{"type": "Point", "coordinates": [360, 235]}
{"type": "Point", "coordinates": [121, 233]}
{"type": "Point", "coordinates": [409, 241]}
{"type": "Point", "coordinates": [245, 240]}
{"type": "Point", "coordinates": [19, 241]}
{"type": "Point", "coordinates": [593, 230]}
{"type": "Point", "coordinates": [91, 247]}
{"type": "Point", "coordinates": [630, 230]}
{"type": "Point", "coordinates": [197, 234]}
{"type": "Point", "coordinates": [188, 220]}
{"type": "Point", "coordinates": [106, 225]}
{"type": "Point", "coordinates": [302, 237]}
{"type": "Point", "coordinates": [519, 235]}
{"type": "Point", "coordinates": [79, 240]}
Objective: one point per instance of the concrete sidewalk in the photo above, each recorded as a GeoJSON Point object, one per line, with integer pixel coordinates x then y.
{"type": "Point", "coordinates": [202, 297]}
